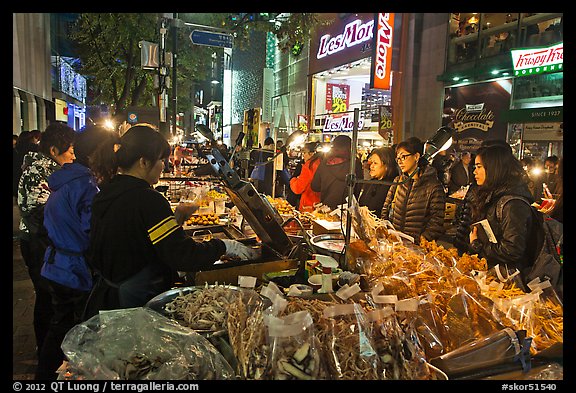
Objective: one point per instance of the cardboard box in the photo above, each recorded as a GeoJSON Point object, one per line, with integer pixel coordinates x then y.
{"type": "Point", "coordinates": [320, 227]}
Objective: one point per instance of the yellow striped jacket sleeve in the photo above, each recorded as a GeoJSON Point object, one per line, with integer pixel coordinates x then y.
{"type": "Point", "coordinates": [162, 229]}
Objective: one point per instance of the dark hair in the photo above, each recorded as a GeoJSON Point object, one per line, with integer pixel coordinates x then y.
{"type": "Point", "coordinates": [388, 158]}
{"type": "Point", "coordinates": [496, 142]}
{"type": "Point", "coordinates": [503, 170]}
{"type": "Point", "coordinates": [23, 140]}
{"type": "Point", "coordinates": [341, 146]}
{"type": "Point", "coordinates": [501, 166]}
{"type": "Point", "coordinates": [56, 135]}
{"type": "Point", "coordinates": [552, 159]}
{"type": "Point", "coordinates": [268, 141]}
{"type": "Point", "coordinates": [139, 141]}
{"type": "Point", "coordinates": [88, 140]}
{"type": "Point", "coordinates": [412, 145]}
{"type": "Point", "coordinates": [36, 134]}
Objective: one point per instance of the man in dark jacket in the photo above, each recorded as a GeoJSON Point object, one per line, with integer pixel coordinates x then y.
{"type": "Point", "coordinates": [330, 177]}
{"type": "Point", "coordinates": [461, 173]}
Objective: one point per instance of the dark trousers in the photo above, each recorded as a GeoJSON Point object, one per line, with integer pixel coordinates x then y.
{"type": "Point", "coordinates": [68, 305]}
{"type": "Point", "coordinates": [33, 254]}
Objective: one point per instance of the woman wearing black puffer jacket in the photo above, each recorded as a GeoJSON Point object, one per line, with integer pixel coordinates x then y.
{"type": "Point", "coordinates": [499, 174]}
{"type": "Point", "coordinates": [417, 206]}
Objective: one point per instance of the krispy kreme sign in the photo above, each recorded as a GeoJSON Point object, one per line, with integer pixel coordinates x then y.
{"type": "Point", "coordinates": [538, 60]}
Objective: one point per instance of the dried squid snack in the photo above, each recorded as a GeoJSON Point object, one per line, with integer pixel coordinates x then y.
{"type": "Point", "coordinates": [431, 331]}
{"type": "Point", "coordinates": [202, 308]}
{"type": "Point", "coordinates": [294, 352]}
{"type": "Point", "coordinates": [400, 358]}
{"type": "Point", "coordinates": [545, 322]}
{"type": "Point", "coordinates": [360, 258]}
{"type": "Point", "coordinates": [467, 319]}
{"type": "Point", "coordinates": [352, 354]}
{"type": "Point", "coordinates": [247, 333]}
{"type": "Point", "coordinates": [392, 285]}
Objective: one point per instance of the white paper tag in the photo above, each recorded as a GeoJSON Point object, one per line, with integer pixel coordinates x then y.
{"type": "Point", "coordinates": [246, 281]}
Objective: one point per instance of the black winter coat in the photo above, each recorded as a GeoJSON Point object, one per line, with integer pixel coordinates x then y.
{"type": "Point", "coordinates": [330, 181]}
{"type": "Point", "coordinates": [417, 208]}
{"type": "Point", "coordinates": [515, 247]}
{"type": "Point", "coordinates": [137, 247]}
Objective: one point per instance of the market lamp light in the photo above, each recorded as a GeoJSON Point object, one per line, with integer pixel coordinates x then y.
{"type": "Point", "coordinates": [440, 141]}
{"type": "Point", "coordinates": [205, 131]}
{"type": "Point", "coordinates": [296, 138]}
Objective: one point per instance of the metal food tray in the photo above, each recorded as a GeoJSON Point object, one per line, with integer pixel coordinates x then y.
{"type": "Point", "coordinates": [321, 242]}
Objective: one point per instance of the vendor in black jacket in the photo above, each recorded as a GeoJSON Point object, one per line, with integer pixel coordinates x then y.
{"type": "Point", "coordinates": [137, 243]}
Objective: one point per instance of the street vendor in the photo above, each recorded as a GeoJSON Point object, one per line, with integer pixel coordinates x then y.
{"type": "Point", "coordinates": [137, 244]}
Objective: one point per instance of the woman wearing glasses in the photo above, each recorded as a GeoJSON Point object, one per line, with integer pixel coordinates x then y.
{"type": "Point", "coordinates": [416, 205]}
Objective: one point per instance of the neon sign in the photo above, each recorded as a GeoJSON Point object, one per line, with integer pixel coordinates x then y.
{"type": "Point", "coordinates": [354, 33]}
{"type": "Point", "coordinates": [342, 123]}
{"type": "Point", "coordinates": [382, 58]}
{"type": "Point", "coordinates": [538, 60]}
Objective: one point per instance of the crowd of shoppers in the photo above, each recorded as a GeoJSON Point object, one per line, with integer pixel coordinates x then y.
{"type": "Point", "coordinates": [97, 236]}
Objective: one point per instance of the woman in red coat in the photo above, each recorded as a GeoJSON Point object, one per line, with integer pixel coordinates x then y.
{"type": "Point", "coordinates": [301, 184]}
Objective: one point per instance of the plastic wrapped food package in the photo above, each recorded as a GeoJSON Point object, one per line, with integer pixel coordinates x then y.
{"type": "Point", "coordinates": [352, 353]}
{"type": "Point", "coordinates": [294, 348]}
{"type": "Point", "coordinates": [401, 356]}
{"type": "Point", "coordinates": [247, 333]}
{"type": "Point", "coordinates": [151, 346]}
{"type": "Point", "coordinates": [504, 347]}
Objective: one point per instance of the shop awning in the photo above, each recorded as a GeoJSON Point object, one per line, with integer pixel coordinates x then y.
{"type": "Point", "coordinates": [534, 115]}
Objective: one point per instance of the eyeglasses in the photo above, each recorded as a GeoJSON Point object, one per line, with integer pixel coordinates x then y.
{"type": "Point", "coordinates": [402, 158]}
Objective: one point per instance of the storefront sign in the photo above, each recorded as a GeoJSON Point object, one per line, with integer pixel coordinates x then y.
{"type": "Point", "coordinates": [354, 33]}
{"type": "Point", "coordinates": [476, 111]}
{"type": "Point", "coordinates": [532, 115]}
{"type": "Point", "coordinates": [341, 123]}
{"type": "Point", "coordinates": [382, 57]}
{"type": "Point", "coordinates": [538, 60]}
{"type": "Point", "coordinates": [337, 97]}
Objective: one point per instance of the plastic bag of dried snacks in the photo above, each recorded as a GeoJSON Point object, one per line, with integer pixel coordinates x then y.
{"type": "Point", "coordinates": [247, 333]}
{"type": "Point", "coordinates": [294, 352]}
{"type": "Point", "coordinates": [351, 351]}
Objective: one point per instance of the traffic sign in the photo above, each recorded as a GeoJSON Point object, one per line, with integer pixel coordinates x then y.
{"type": "Point", "coordinates": [210, 38]}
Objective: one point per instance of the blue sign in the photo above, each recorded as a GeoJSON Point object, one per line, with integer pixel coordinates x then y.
{"type": "Point", "coordinates": [210, 38]}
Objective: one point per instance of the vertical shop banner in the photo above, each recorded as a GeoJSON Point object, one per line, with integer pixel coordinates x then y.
{"type": "Point", "coordinates": [477, 111]}
{"type": "Point", "coordinates": [382, 53]}
{"type": "Point", "coordinates": [385, 121]}
{"type": "Point", "coordinates": [337, 97]}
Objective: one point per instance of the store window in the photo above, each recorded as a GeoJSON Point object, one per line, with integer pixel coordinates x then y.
{"type": "Point", "coordinates": [480, 35]}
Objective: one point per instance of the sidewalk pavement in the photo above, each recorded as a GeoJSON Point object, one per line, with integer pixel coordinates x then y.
{"type": "Point", "coordinates": [23, 341]}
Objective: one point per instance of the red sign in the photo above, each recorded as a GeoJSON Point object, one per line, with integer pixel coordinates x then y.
{"type": "Point", "coordinates": [382, 58]}
{"type": "Point", "coordinates": [337, 97]}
